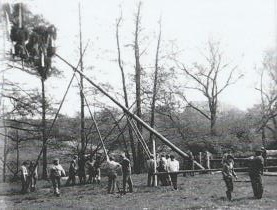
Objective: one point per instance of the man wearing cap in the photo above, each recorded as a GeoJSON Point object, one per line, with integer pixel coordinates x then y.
{"type": "Point", "coordinates": [56, 172]}
{"type": "Point", "coordinates": [24, 176]}
{"type": "Point", "coordinates": [126, 173]}
{"type": "Point", "coordinates": [228, 173]}
{"type": "Point", "coordinates": [72, 171]}
{"type": "Point", "coordinates": [255, 172]}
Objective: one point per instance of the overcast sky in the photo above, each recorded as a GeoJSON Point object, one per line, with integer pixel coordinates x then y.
{"type": "Point", "coordinates": [245, 29]}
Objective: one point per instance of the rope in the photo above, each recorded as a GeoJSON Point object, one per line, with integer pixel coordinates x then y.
{"type": "Point", "coordinates": [93, 119]}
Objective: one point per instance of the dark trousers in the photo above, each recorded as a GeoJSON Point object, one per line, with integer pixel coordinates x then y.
{"type": "Point", "coordinates": [229, 186]}
{"type": "Point", "coordinates": [257, 185]}
{"type": "Point", "coordinates": [173, 177]}
{"type": "Point", "coordinates": [150, 179]}
{"type": "Point", "coordinates": [82, 177]}
{"type": "Point", "coordinates": [71, 178]}
{"type": "Point", "coordinates": [56, 182]}
{"type": "Point", "coordinates": [127, 179]}
{"type": "Point", "coordinates": [111, 183]}
{"type": "Point", "coordinates": [24, 184]}
{"type": "Point", "coordinates": [33, 182]}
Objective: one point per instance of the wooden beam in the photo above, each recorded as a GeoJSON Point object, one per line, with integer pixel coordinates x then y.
{"type": "Point", "coordinates": [135, 117]}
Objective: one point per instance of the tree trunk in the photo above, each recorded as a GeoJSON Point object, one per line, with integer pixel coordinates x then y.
{"type": "Point", "coordinates": [153, 104]}
{"type": "Point", "coordinates": [17, 152]}
{"type": "Point", "coordinates": [213, 123]}
{"type": "Point", "coordinates": [138, 89]}
{"type": "Point", "coordinates": [275, 128]}
{"type": "Point", "coordinates": [43, 124]}
{"type": "Point", "coordinates": [83, 138]}
{"type": "Point", "coordinates": [5, 151]}
{"type": "Point", "coordinates": [131, 136]}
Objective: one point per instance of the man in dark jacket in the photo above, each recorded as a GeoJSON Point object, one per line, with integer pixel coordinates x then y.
{"type": "Point", "coordinates": [72, 171]}
{"type": "Point", "coordinates": [126, 172]}
{"type": "Point", "coordinates": [255, 172]}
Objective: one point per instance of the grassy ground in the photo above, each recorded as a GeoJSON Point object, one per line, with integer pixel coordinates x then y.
{"type": "Point", "coordinates": [199, 192]}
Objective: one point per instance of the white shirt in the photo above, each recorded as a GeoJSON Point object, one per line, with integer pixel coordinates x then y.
{"type": "Point", "coordinates": [24, 170]}
{"type": "Point", "coordinates": [173, 165]}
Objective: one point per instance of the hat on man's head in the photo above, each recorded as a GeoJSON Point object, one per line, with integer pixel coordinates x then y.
{"type": "Point", "coordinates": [262, 148]}
{"type": "Point", "coordinates": [55, 160]}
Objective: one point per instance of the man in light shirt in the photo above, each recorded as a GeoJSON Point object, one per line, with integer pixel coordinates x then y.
{"type": "Point", "coordinates": [113, 167]}
{"type": "Point", "coordinates": [24, 176]}
{"type": "Point", "coordinates": [173, 166]}
{"type": "Point", "coordinates": [56, 172]}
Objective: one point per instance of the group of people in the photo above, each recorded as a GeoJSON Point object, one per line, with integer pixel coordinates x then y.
{"type": "Point", "coordinates": [256, 168]}
{"type": "Point", "coordinates": [166, 164]}
{"type": "Point", "coordinates": [77, 168]}
{"type": "Point", "coordinates": [29, 176]}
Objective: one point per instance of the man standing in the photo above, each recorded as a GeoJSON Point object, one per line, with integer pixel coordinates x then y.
{"type": "Point", "coordinates": [33, 176]}
{"type": "Point", "coordinates": [113, 168]}
{"type": "Point", "coordinates": [151, 170]}
{"type": "Point", "coordinates": [264, 155]}
{"type": "Point", "coordinates": [126, 172]}
{"type": "Point", "coordinates": [81, 169]}
{"type": "Point", "coordinates": [72, 171]}
{"type": "Point", "coordinates": [56, 172]}
{"type": "Point", "coordinates": [228, 173]}
{"type": "Point", "coordinates": [97, 171]}
{"type": "Point", "coordinates": [90, 167]}
{"type": "Point", "coordinates": [24, 176]}
{"type": "Point", "coordinates": [255, 172]}
{"type": "Point", "coordinates": [173, 166]}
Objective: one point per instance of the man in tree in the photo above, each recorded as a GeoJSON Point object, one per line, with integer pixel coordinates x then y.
{"type": "Point", "coordinates": [72, 171]}
{"type": "Point", "coordinates": [126, 172]}
{"type": "Point", "coordinates": [255, 172]}
{"type": "Point", "coordinates": [56, 172]}
{"type": "Point", "coordinates": [24, 176]}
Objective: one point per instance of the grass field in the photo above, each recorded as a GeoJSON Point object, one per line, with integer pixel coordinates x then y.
{"type": "Point", "coordinates": [205, 191]}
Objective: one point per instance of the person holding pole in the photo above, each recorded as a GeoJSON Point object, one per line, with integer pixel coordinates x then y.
{"type": "Point", "coordinates": [113, 168]}
{"type": "Point", "coordinates": [255, 174]}
{"type": "Point", "coordinates": [228, 173]}
{"type": "Point", "coordinates": [126, 172]}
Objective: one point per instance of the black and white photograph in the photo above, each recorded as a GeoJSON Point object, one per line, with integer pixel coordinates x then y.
{"type": "Point", "coordinates": [138, 104]}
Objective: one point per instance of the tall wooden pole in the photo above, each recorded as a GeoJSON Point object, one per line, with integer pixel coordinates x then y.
{"type": "Point", "coordinates": [145, 125]}
{"type": "Point", "coordinates": [83, 138]}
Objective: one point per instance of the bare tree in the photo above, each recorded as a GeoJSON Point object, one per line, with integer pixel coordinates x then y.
{"type": "Point", "coordinates": [206, 80]}
{"type": "Point", "coordinates": [268, 94]}
{"type": "Point", "coordinates": [154, 96]}
{"type": "Point", "coordinates": [120, 64]}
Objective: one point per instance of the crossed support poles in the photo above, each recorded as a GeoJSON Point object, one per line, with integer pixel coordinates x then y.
{"type": "Point", "coordinates": [133, 116]}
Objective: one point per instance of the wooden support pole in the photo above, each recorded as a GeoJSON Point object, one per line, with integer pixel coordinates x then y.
{"type": "Point", "coordinates": [145, 125]}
